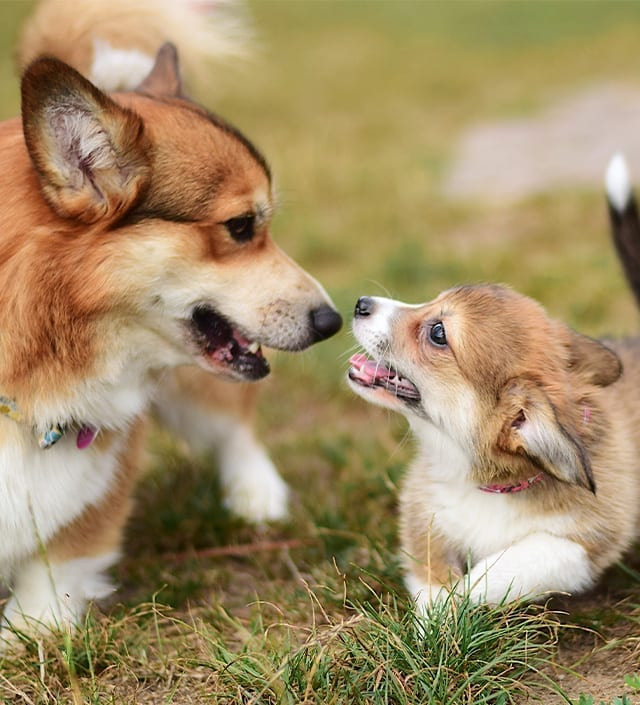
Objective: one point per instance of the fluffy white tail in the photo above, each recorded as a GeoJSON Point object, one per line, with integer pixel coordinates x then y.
{"type": "Point", "coordinates": [113, 42]}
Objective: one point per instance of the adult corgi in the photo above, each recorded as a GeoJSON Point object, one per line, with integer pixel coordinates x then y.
{"type": "Point", "coordinates": [134, 238]}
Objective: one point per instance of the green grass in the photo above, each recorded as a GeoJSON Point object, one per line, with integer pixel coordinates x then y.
{"type": "Point", "coordinates": [373, 652]}
{"type": "Point", "coordinates": [358, 107]}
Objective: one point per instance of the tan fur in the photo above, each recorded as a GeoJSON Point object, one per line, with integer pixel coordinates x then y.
{"type": "Point", "coordinates": [203, 390]}
{"type": "Point", "coordinates": [203, 30]}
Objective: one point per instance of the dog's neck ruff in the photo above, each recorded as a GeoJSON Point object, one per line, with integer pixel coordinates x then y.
{"type": "Point", "coordinates": [509, 489]}
{"type": "Point", "coordinates": [51, 436]}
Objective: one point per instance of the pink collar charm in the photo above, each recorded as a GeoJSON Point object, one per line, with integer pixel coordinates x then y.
{"type": "Point", "coordinates": [86, 436]}
{"type": "Point", "coordinates": [509, 489]}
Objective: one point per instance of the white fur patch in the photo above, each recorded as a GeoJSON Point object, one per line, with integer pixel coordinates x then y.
{"type": "Point", "coordinates": [533, 567]}
{"type": "Point", "coordinates": [618, 182]}
{"type": "Point", "coordinates": [56, 595]}
{"type": "Point", "coordinates": [476, 523]}
{"type": "Point", "coordinates": [118, 69]}
{"type": "Point", "coordinates": [43, 490]}
{"type": "Point", "coordinates": [252, 487]}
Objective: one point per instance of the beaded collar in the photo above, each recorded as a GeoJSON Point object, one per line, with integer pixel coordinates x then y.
{"type": "Point", "coordinates": [52, 435]}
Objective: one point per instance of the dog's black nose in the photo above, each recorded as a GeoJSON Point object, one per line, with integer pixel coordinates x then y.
{"type": "Point", "coordinates": [364, 307]}
{"type": "Point", "coordinates": [325, 321]}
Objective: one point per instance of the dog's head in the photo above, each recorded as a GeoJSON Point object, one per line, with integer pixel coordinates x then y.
{"type": "Point", "coordinates": [159, 218]}
{"type": "Point", "coordinates": [488, 368]}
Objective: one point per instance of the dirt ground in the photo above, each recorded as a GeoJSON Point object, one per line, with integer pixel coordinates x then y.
{"type": "Point", "coordinates": [503, 161]}
{"type": "Point", "coordinates": [595, 658]}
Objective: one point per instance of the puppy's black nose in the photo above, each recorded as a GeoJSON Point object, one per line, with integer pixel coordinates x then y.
{"type": "Point", "coordinates": [364, 307]}
{"type": "Point", "coordinates": [325, 321]}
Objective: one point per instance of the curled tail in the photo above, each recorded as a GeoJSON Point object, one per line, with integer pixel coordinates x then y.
{"type": "Point", "coordinates": [625, 221]}
{"type": "Point", "coordinates": [114, 42]}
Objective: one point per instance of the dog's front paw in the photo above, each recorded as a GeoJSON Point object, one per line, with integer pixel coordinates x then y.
{"type": "Point", "coordinates": [255, 491]}
{"type": "Point", "coordinates": [50, 596]}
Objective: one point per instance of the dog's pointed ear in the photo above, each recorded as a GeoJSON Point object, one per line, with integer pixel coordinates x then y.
{"type": "Point", "coordinates": [530, 427]}
{"type": "Point", "coordinates": [164, 79]}
{"type": "Point", "coordinates": [90, 154]}
{"type": "Point", "coordinates": [594, 362]}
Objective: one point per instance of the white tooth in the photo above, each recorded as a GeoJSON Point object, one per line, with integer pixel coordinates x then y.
{"type": "Point", "coordinates": [253, 348]}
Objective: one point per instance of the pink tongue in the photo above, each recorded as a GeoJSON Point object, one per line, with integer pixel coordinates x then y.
{"type": "Point", "coordinates": [369, 370]}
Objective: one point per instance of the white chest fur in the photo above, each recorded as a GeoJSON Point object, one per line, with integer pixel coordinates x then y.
{"type": "Point", "coordinates": [476, 523]}
{"type": "Point", "coordinates": [479, 524]}
{"type": "Point", "coordinates": [43, 490]}
{"type": "Point", "coordinates": [513, 549]}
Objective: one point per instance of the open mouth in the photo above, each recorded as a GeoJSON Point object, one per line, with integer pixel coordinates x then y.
{"type": "Point", "coordinates": [224, 348]}
{"type": "Point", "coordinates": [373, 374]}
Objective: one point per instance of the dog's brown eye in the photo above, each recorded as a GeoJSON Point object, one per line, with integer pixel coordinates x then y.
{"type": "Point", "coordinates": [437, 334]}
{"type": "Point", "coordinates": [241, 228]}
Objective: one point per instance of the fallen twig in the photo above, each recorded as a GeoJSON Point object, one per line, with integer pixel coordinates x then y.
{"type": "Point", "coordinates": [243, 549]}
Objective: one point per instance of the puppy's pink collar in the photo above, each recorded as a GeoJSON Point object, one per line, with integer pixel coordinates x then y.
{"type": "Point", "coordinates": [508, 489]}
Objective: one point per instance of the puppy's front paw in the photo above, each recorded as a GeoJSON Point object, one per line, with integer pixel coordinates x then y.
{"type": "Point", "coordinates": [425, 595]}
{"type": "Point", "coordinates": [492, 586]}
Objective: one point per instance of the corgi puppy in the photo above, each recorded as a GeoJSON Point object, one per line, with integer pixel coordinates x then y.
{"type": "Point", "coordinates": [527, 474]}
{"type": "Point", "coordinates": [135, 238]}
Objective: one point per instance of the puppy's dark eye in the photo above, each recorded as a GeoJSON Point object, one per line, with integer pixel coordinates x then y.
{"type": "Point", "coordinates": [241, 228]}
{"type": "Point", "coordinates": [437, 334]}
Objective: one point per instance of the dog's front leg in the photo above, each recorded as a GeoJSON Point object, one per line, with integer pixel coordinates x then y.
{"type": "Point", "coordinates": [214, 415]}
{"type": "Point", "coordinates": [51, 588]}
{"type": "Point", "coordinates": [532, 568]}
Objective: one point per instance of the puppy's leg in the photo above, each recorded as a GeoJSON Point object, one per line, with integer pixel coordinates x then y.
{"type": "Point", "coordinates": [52, 590]}
{"type": "Point", "coordinates": [431, 570]}
{"type": "Point", "coordinates": [213, 415]}
{"type": "Point", "coordinates": [534, 567]}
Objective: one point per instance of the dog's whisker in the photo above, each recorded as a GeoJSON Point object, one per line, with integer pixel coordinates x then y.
{"type": "Point", "coordinates": [381, 286]}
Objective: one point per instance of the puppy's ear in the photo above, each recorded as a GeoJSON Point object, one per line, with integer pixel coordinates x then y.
{"type": "Point", "coordinates": [90, 154]}
{"type": "Point", "coordinates": [530, 427]}
{"type": "Point", "coordinates": [592, 360]}
{"type": "Point", "coordinates": [163, 80]}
